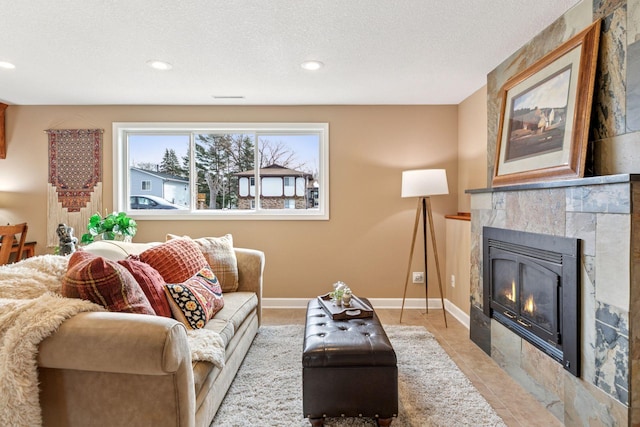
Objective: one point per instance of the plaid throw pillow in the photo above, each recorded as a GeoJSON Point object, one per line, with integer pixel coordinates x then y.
{"type": "Point", "coordinates": [196, 300]}
{"type": "Point", "coordinates": [220, 256]}
{"type": "Point", "coordinates": [104, 282]}
{"type": "Point", "coordinates": [151, 283]}
{"type": "Point", "coordinates": [176, 260]}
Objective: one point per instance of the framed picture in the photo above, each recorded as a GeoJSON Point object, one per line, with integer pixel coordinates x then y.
{"type": "Point", "coordinates": [3, 141]}
{"type": "Point", "coordinates": [544, 121]}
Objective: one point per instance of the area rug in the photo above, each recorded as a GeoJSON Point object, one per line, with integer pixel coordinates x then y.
{"type": "Point", "coordinates": [433, 392]}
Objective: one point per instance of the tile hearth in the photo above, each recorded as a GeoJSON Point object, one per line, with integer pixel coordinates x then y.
{"type": "Point", "coordinates": [490, 380]}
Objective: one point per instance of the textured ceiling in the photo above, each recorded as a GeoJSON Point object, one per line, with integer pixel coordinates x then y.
{"type": "Point", "coordinates": [374, 51]}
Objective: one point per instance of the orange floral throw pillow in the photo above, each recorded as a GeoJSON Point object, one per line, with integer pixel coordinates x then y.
{"type": "Point", "coordinates": [176, 260]}
{"type": "Point", "coordinates": [196, 300]}
{"type": "Point", "coordinates": [104, 282]}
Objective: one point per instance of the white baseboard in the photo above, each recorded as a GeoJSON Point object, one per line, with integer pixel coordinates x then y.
{"type": "Point", "coordinates": [455, 311]}
{"type": "Point", "coordinates": [285, 302]}
{"type": "Point", "coordinates": [409, 304]}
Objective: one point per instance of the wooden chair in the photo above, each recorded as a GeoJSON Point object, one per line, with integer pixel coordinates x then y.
{"type": "Point", "coordinates": [8, 234]}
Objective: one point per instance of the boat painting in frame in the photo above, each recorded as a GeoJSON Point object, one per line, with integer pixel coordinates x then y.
{"type": "Point", "coordinates": [545, 115]}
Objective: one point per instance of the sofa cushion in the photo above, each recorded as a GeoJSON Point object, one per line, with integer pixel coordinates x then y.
{"type": "Point", "coordinates": [237, 307]}
{"type": "Point", "coordinates": [224, 328]}
{"type": "Point", "coordinates": [151, 283]}
{"type": "Point", "coordinates": [176, 260]}
{"type": "Point", "coordinates": [104, 282]}
{"type": "Point", "coordinates": [221, 257]}
{"type": "Point", "coordinates": [196, 300]}
{"type": "Point", "coordinates": [228, 322]}
{"type": "Point", "coordinates": [201, 373]}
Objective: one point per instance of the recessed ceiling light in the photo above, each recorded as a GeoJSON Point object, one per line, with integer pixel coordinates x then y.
{"type": "Point", "coordinates": [159, 65]}
{"type": "Point", "coordinates": [227, 96]}
{"type": "Point", "coordinates": [7, 65]}
{"type": "Point", "coordinates": [312, 65]}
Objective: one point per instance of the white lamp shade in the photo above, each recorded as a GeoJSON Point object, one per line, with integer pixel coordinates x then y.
{"type": "Point", "coordinates": [424, 182]}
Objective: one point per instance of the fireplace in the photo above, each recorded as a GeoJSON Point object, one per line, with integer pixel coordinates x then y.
{"type": "Point", "coordinates": [531, 285]}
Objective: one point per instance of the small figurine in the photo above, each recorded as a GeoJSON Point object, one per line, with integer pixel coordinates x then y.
{"type": "Point", "coordinates": [346, 298]}
{"type": "Point", "coordinates": [67, 241]}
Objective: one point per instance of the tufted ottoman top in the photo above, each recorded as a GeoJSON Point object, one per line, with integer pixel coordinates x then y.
{"type": "Point", "coordinates": [354, 342]}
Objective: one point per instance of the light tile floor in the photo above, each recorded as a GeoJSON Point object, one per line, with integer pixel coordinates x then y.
{"type": "Point", "coordinates": [515, 405]}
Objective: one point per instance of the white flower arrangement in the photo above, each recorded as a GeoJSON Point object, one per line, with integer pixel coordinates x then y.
{"type": "Point", "coordinates": [341, 294]}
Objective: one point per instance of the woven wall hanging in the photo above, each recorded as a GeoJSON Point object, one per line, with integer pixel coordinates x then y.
{"type": "Point", "coordinates": [75, 179]}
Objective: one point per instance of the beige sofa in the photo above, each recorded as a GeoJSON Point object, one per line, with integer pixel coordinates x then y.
{"type": "Point", "coordinates": [120, 369]}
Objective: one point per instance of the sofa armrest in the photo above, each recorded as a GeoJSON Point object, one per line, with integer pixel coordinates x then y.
{"type": "Point", "coordinates": [117, 342]}
{"type": "Point", "coordinates": [117, 369]}
{"type": "Point", "coordinates": [250, 272]}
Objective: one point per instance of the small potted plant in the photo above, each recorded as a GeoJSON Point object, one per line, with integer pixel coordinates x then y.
{"type": "Point", "coordinates": [114, 226]}
{"type": "Point", "coordinates": [340, 291]}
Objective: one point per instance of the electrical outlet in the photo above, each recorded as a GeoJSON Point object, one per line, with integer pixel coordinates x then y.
{"type": "Point", "coordinates": [453, 281]}
{"type": "Point", "coordinates": [418, 277]}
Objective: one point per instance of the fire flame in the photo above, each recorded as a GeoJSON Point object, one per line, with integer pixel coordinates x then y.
{"type": "Point", "coordinates": [511, 296]}
{"type": "Point", "coordinates": [530, 305]}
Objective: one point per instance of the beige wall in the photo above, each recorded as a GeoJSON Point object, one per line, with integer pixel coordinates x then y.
{"type": "Point", "coordinates": [472, 158]}
{"type": "Point", "coordinates": [458, 263]}
{"type": "Point", "coordinates": [366, 241]}
{"type": "Point", "coordinates": [472, 146]}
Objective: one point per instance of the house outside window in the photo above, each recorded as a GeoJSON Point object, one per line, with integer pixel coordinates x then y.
{"type": "Point", "coordinates": [169, 187]}
{"type": "Point", "coordinates": [228, 170]}
{"type": "Point", "coordinates": [313, 197]}
{"type": "Point", "coordinates": [281, 188]}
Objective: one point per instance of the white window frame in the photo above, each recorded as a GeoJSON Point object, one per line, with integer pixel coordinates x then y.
{"type": "Point", "coordinates": [142, 185]}
{"type": "Point", "coordinates": [121, 178]}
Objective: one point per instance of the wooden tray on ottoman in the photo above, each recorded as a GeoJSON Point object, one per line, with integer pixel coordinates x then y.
{"type": "Point", "coordinates": [358, 309]}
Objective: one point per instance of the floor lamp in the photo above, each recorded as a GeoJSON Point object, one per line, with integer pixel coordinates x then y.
{"type": "Point", "coordinates": [422, 184]}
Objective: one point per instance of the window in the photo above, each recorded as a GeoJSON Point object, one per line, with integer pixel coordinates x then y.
{"type": "Point", "coordinates": [223, 170]}
{"type": "Point", "coordinates": [289, 186]}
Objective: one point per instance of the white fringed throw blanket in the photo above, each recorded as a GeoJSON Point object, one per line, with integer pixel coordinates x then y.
{"type": "Point", "coordinates": [31, 309]}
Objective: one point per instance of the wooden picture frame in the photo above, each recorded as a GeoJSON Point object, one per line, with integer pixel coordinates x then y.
{"type": "Point", "coordinates": [545, 114]}
{"type": "Point", "coordinates": [3, 140]}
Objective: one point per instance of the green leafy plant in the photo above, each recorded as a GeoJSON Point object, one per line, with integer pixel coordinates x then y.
{"type": "Point", "coordinates": [114, 226]}
{"type": "Point", "coordinates": [337, 294]}
{"type": "Point", "coordinates": [340, 290]}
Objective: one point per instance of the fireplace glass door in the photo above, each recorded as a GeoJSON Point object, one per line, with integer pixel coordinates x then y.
{"type": "Point", "coordinates": [539, 298]}
{"type": "Point", "coordinates": [527, 291]}
{"type": "Point", "coordinates": [531, 285]}
{"type": "Point", "coordinates": [505, 278]}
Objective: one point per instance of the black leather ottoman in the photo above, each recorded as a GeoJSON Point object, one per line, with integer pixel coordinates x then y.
{"type": "Point", "coordinates": [348, 369]}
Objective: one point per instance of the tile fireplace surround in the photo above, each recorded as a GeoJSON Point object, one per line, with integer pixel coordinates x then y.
{"type": "Point", "coordinates": [604, 212]}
